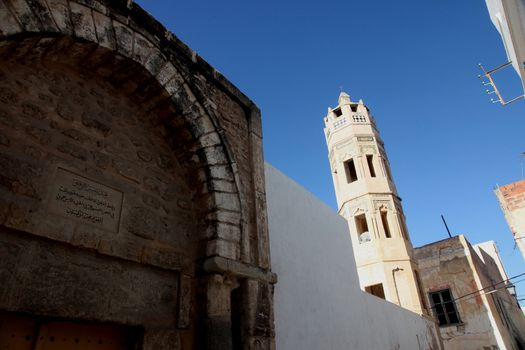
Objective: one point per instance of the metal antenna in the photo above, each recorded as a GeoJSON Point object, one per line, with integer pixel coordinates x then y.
{"type": "Point", "coordinates": [446, 226]}
{"type": "Point", "coordinates": [491, 83]}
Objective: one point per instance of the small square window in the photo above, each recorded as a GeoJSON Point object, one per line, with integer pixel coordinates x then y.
{"type": "Point", "coordinates": [444, 307]}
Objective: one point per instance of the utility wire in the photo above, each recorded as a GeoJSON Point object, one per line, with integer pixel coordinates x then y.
{"type": "Point", "coordinates": [482, 289]}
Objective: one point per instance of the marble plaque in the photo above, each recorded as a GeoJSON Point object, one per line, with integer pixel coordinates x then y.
{"type": "Point", "coordinates": [84, 200]}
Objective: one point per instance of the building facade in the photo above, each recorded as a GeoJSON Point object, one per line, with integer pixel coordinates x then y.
{"type": "Point", "coordinates": [511, 198]}
{"type": "Point", "coordinates": [507, 17]}
{"type": "Point", "coordinates": [132, 196]}
{"type": "Point", "coordinates": [368, 200]}
{"type": "Point", "coordinates": [469, 293]}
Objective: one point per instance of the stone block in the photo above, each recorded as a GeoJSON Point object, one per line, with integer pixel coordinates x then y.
{"type": "Point", "coordinates": [222, 248]}
{"type": "Point", "coordinates": [165, 257]}
{"type": "Point", "coordinates": [155, 62]}
{"type": "Point", "coordinates": [104, 29]}
{"type": "Point", "coordinates": [40, 8]}
{"type": "Point", "coordinates": [211, 139]}
{"type": "Point", "coordinates": [25, 16]}
{"type": "Point", "coordinates": [228, 201]}
{"type": "Point", "coordinates": [61, 15]}
{"type": "Point", "coordinates": [166, 73]}
{"type": "Point", "coordinates": [161, 340]}
{"type": "Point", "coordinates": [257, 297]}
{"type": "Point", "coordinates": [185, 293]}
{"type": "Point", "coordinates": [224, 231]}
{"type": "Point", "coordinates": [83, 22]}
{"type": "Point", "coordinates": [128, 250]}
{"type": "Point", "coordinates": [222, 172]}
{"type": "Point", "coordinates": [124, 38]}
{"type": "Point", "coordinates": [214, 155]}
{"type": "Point", "coordinates": [8, 24]}
{"type": "Point", "coordinates": [225, 216]}
{"type": "Point", "coordinates": [142, 49]}
{"type": "Point", "coordinates": [222, 186]}
{"type": "Point", "coordinates": [201, 126]}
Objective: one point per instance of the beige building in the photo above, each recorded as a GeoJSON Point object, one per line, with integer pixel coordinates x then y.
{"type": "Point", "coordinates": [469, 293]}
{"type": "Point", "coordinates": [511, 198]}
{"type": "Point", "coordinates": [368, 200]}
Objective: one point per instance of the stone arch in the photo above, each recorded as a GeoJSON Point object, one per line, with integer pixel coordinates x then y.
{"type": "Point", "coordinates": [99, 36]}
{"type": "Point", "coordinates": [121, 44]}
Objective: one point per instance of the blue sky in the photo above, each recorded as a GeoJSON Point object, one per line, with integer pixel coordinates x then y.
{"type": "Point", "coordinates": [414, 63]}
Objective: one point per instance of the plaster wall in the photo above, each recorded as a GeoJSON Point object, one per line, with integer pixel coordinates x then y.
{"type": "Point", "coordinates": [507, 16]}
{"type": "Point", "coordinates": [318, 302]}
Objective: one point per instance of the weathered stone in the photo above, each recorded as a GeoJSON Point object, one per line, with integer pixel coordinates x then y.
{"type": "Point", "coordinates": [73, 150]}
{"type": "Point", "coordinates": [25, 16]}
{"type": "Point", "coordinates": [8, 24]}
{"type": "Point", "coordinates": [124, 37]}
{"type": "Point", "coordinates": [224, 231]}
{"type": "Point", "coordinates": [104, 29]}
{"type": "Point", "coordinates": [118, 92]}
{"type": "Point", "coordinates": [222, 248]}
{"type": "Point", "coordinates": [60, 12]}
{"type": "Point", "coordinates": [94, 123]}
{"type": "Point", "coordinates": [228, 201]}
{"type": "Point", "coordinates": [83, 22]}
{"type": "Point", "coordinates": [214, 155]}
{"type": "Point", "coordinates": [185, 292]}
{"type": "Point", "coordinates": [4, 140]}
{"type": "Point", "coordinates": [40, 8]}
{"type": "Point", "coordinates": [161, 339]}
{"type": "Point", "coordinates": [225, 216]}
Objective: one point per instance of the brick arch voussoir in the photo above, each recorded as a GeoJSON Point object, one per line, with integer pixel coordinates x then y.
{"type": "Point", "coordinates": [104, 27]}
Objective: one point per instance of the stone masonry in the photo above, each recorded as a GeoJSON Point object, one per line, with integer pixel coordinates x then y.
{"type": "Point", "coordinates": [131, 180]}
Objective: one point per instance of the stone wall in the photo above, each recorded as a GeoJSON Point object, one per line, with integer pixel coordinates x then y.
{"type": "Point", "coordinates": [453, 264]}
{"type": "Point", "coordinates": [131, 180]}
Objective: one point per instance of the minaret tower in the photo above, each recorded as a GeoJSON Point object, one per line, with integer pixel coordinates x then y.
{"type": "Point", "coordinates": [368, 200]}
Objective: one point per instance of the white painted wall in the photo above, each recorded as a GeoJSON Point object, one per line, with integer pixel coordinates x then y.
{"type": "Point", "coordinates": [508, 16]}
{"type": "Point", "coordinates": [318, 303]}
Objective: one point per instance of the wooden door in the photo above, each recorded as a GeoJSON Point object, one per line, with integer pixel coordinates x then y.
{"type": "Point", "coordinates": [27, 333]}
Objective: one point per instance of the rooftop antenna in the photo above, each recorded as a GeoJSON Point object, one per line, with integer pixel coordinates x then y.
{"type": "Point", "coordinates": [491, 83]}
{"type": "Point", "coordinates": [446, 226]}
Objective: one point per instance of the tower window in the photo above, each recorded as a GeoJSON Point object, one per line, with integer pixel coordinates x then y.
{"type": "Point", "coordinates": [384, 221]}
{"type": "Point", "coordinates": [351, 173]}
{"type": "Point", "coordinates": [370, 161]}
{"type": "Point", "coordinates": [376, 289]}
{"type": "Point", "coordinates": [444, 307]}
{"type": "Point", "coordinates": [362, 228]}
{"type": "Point", "coordinates": [338, 112]}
